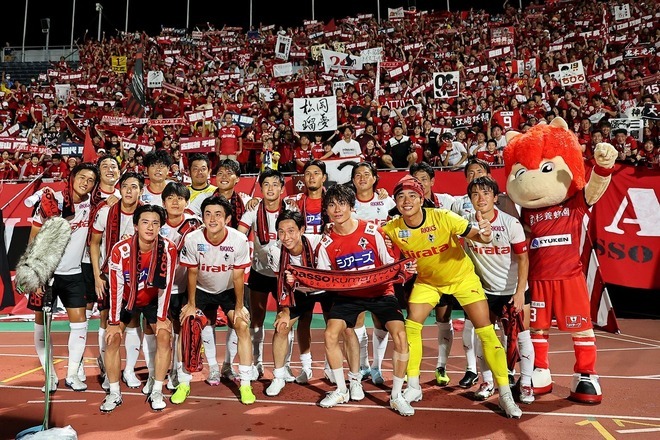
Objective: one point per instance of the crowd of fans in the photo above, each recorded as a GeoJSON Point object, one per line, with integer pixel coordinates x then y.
{"type": "Point", "coordinates": [227, 75]}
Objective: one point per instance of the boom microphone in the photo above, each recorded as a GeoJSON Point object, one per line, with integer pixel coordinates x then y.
{"type": "Point", "coordinates": [37, 265]}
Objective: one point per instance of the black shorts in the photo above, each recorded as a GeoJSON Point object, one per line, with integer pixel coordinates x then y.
{"type": "Point", "coordinates": [88, 277]}
{"type": "Point", "coordinates": [262, 283]}
{"type": "Point", "coordinates": [347, 308]}
{"type": "Point", "coordinates": [70, 289]}
{"type": "Point", "coordinates": [497, 302]}
{"type": "Point", "coordinates": [226, 300]}
{"type": "Point", "coordinates": [449, 300]}
{"type": "Point", "coordinates": [150, 312]}
{"type": "Point", "coordinates": [177, 301]}
{"type": "Point", "coordinates": [305, 303]}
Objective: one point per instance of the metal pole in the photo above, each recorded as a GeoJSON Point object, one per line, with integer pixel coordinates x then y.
{"type": "Point", "coordinates": [24, 29]}
{"type": "Point", "coordinates": [126, 25]}
{"type": "Point", "coordinates": [520, 4]}
{"type": "Point", "coordinates": [312, 9]}
{"type": "Point", "coordinates": [250, 14]}
{"type": "Point", "coordinates": [187, 14]}
{"type": "Point", "coordinates": [47, 39]}
{"type": "Point", "coordinates": [378, 7]}
{"type": "Point", "coordinates": [73, 22]}
{"type": "Point", "coordinates": [448, 10]}
{"type": "Point", "coordinates": [100, 9]}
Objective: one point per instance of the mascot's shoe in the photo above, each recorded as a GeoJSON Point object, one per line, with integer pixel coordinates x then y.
{"type": "Point", "coordinates": [541, 381]}
{"type": "Point", "coordinates": [585, 388]}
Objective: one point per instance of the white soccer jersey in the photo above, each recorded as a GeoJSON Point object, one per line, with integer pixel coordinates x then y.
{"type": "Point", "coordinates": [260, 255]}
{"type": "Point", "coordinates": [104, 196]}
{"type": "Point", "coordinates": [171, 231]}
{"type": "Point", "coordinates": [126, 227]}
{"type": "Point", "coordinates": [195, 206]}
{"type": "Point", "coordinates": [494, 263]}
{"type": "Point", "coordinates": [444, 201]}
{"type": "Point", "coordinates": [152, 198]}
{"type": "Point", "coordinates": [215, 262]}
{"type": "Point", "coordinates": [463, 206]}
{"type": "Point", "coordinates": [373, 210]}
{"type": "Point", "coordinates": [73, 253]}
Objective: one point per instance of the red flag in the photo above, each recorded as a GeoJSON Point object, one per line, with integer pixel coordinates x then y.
{"type": "Point", "coordinates": [89, 152]}
{"type": "Point", "coordinates": [331, 26]}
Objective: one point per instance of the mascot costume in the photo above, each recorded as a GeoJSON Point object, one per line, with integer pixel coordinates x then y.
{"type": "Point", "coordinates": [546, 177]}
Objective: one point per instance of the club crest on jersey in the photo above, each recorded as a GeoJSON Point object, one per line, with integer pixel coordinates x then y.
{"type": "Point", "coordinates": [363, 243]}
{"type": "Point", "coordinates": [202, 247]}
{"type": "Point", "coordinates": [404, 233]}
{"type": "Point", "coordinates": [226, 257]}
{"type": "Point", "coordinates": [431, 238]}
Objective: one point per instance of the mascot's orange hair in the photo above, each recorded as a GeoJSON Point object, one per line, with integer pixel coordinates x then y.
{"type": "Point", "coordinates": [545, 142]}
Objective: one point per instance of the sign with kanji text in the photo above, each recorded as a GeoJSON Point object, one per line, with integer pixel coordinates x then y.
{"type": "Point", "coordinates": [315, 114]}
{"type": "Point", "coordinates": [571, 74]}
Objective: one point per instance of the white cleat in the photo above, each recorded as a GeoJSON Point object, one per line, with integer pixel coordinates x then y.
{"type": "Point", "coordinates": [402, 406]}
{"type": "Point", "coordinates": [508, 405]}
{"type": "Point", "coordinates": [335, 398]}
{"type": "Point", "coordinates": [275, 387]}
{"type": "Point", "coordinates": [412, 394]}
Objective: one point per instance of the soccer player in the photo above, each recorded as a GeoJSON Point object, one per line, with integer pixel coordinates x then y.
{"type": "Point", "coordinates": [111, 224]}
{"type": "Point", "coordinates": [158, 164]}
{"type": "Point", "coordinates": [73, 203]}
{"type": "Point", "coordinates": [502, 266]}
{"type": "Point", "coordinates": [141, 272]}
{"type": "Point", "coordinates": [216, 257]}
{"type": "Point", "coordinates": [443, 268]}
{"type": "Point", "coordinates": [177, 226]}
{"type": "Point", "coordinates": [299, 249]}
{"type": "Point", "coordinates": [309, 203]}
{"type": "Point", "coordinates": [353, 244]}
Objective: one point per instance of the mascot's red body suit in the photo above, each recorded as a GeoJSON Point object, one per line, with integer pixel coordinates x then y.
{"type": "Point", "coordinates": [546, 177]}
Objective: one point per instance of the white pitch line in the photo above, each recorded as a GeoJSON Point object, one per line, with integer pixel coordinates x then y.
{"type": "Point", "coordinates": [637, 431]}
{"type": "Point", "coordinates": [58, 401]}
{"type": "Point", "coordinates": [627, 340]}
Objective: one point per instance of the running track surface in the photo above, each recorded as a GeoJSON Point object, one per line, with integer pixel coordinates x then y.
{"type": "Point", "coordinates": [628, 365]}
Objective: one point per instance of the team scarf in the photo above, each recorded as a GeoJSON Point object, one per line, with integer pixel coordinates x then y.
{"type": "Point", "coordinates": [302, 207]}
{"type": "Point", "coordinates": [339, 280]}
{"type": "Point", "coordinates": [191, 341]}
{"type": "Point", "coordinates": [512, 324]}
{"type": "Point", "coordinates": [157, 271]}
{"type": "Point", "coordinates": [285, 296]}
{"type": "Point", "coordinates": [50, 207]}
{"type": "Point", "coordinates": [188, 225]}
{"type": "Point", "coordinates": [237, 206]}
{"type": "Point", "coordinates": [262, 222]}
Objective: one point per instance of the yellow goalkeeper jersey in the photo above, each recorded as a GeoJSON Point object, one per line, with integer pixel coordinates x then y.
{"type": "Point", "coordinates": [441, 260]}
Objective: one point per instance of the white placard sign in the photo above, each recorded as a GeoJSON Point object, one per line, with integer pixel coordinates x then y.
{"type": "Point", "coordinates": [571, 74]}
{"type": "Point", "coordinates": [445, 84]}
{"type": "Point", "coordinates": [282, 47]}
{"type": "Point", "coordinates": [337, 60]}
{"type": "Point", "coordinates": [315, 114]}
{"type": "Point", "coordinates": [155, 79]}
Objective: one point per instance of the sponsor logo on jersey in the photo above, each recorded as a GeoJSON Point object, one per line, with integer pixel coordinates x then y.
{"type": "Point", "coordinates": [404, 233]}
{"type": "Point", "coordinates": [551, 240]}
{"type": "Point", "coordinates": [203, 247]}
{"type": "Point", "coordinates": [377, 203]}
{"type": "Point", "coordinates": [428, 229]}
{"type": "Point", "coordinates": [356, 260]}
{"type": "Point", "coordinates": [538, 304]}
{"type": "Point", "coordinates": [215, 269]}
{"type": "Point", "coordinates": [226, 248]}
{"type": "Point", "coordinates": [146, 198]}
{"type": "Point", "coordinates": [490, 250]}
{"type": "Point", "coordinates": [313, 219]}
{"type": "Point", "coordinates": [435, 250]}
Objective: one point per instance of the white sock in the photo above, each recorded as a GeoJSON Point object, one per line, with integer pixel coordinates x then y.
{"type": "Point", "coordinates": [339, 378]}
{"type": "Point", "coordinates": [89, 313]}
{"type": "Point", "coordinates": [445, 340]}
{"type": "Point", "coordinates": [257, 334]}
{"type": "Point", "coordinates": [208, 340]}
{"type": "Point", "coordinates": [175, 352]}
{"type": "Point", "coordinates": [132, 344]}
{"type": "Point", "coordinates": [245, 373]}
{"type": "Point", "coordinates": [77, 340]}
{"type": "Point", "coordinates": [279, 373]}
{"type": "Point", "coordinates": [526, 349]}
{"type": "Point", "coordinates": [363, 340]}
{"type": "Point", "coordinates": [306, 361]}
{"type": "Point", "coordinates": [231, 346]}
{"type": "Point", "coordinates": [115, 388]}
{"type": "Point", "coordinates": [102, 342]}
{"type": "Point", "coordinates": [468, 346]}
{"type": "Point", "coordinates": [183, 376]}
{"type": "Point", "coordinates": [486, 373]}
{"type": "Point", "coordinates": [413, 382]}
{"type": "Point", "coordinates": [379, 344]}
{"type": "Point", "coordinates": [291, 337]}
{"type": "Point", "coordinates": [158, 386]}
{"type": "Point", "coordinates": [40, 347]}
{"type": "Point", "coordinates": [397, 384]}
{"type": "Point", "coordinates": [149, 350]}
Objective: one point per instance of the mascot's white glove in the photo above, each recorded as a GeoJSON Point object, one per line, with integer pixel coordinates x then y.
{"type": "Point", "coordinates": [605, 155]}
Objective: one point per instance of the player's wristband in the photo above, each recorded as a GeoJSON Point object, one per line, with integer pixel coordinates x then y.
{"type": "Point", "coordinates": [602, 171]}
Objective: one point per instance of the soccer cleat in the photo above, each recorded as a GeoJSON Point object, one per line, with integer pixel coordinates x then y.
{"type": "Point", "coordinates": [485, 391]}
{"type": "Point", "coordinates": [329, 375]}
{"type": "Point", "coordinates": [355, 390]}
{"type": "Point", "coordinates": [131, 380]}
{"type": "Point", "coordinates": [526, 394]}
{"type": "Point", "coordinates": [75, 383]}
{"type": "Point", "coordinates": [213, 378]}
{"type": "Point", "coordinates": [148, 387]}
{"type": "Point", "coordinates": [101, 364]}
{"type": "Point", "coordinates": [111, 401]}
{"type": "Point", "coordinates": [247, 396]}
{"type": "Point", "coordinates": [541, 381]}
{"type": "Point", "coordinates": [441, 376]}
{"type": "Point", "coordinates": [412, 394]}
{"type": "Point", "coordinates": [228, 373]}
{"type": "Point", "coordinates": [377, 377]}
{"type": "Point", "coordinates": [275, 387]}
{"type": "Point", "coordinates": [181, 394]}
{"type": "Point", "coordinates": [172, 381]}
{"type": "Point", "coordinates": [53, 385]}
{"type": "Point", "coordinates": [305, 376]}
{"type": "Point", "coordinates": [401, 405]}
{"type": "Point", "coordinates": [334, 398]}
{"type": "Point", "coordinates": [585, 388]}
{"type": "Point", "coordinates": [81, 372]}
{"type": "Point", "coordinates": [512, 379]}
{"type": "Point", "coordinates": [106, 383]}
{"type": "Point", "coordinates": [157, 401]}
{"type": "Point", "coordinates": [365, 372]}
{"type": "Point", "coordinates": [288, 375]}
{"type": "Point", "coordinates": [469, 380]}
{"type": "Point", "coordinates": [509, 407]}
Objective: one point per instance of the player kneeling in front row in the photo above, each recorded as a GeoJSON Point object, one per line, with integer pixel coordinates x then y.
{"type": "Point", "coordinates": [352, 245]}
{"type": "Point", "coordinates": [297, 249]}
{"type": "Point", "coordinates": [141, 272]}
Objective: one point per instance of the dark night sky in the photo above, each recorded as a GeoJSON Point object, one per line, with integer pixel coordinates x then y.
{"type": "Point", "coordinates": [150, 15]}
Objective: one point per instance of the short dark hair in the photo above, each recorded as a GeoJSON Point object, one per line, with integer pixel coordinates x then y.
{"type": "Point", "coordinates": [483, 182]}
{"type": "Point", "coordinates": [56, 156]}
{"type": "Point", "coordinates": [86, 166]}
{"type": "Point", "coordinates": [370, 167]}
{"type": "Point", "coordinates": [199, 156]}
{"type": "Point", "coordinates": [218, 200]}
{"type": "Point", "coordinates": [475, 161]}
{"type": "Point", "coordinates": [157, 156]}
{"type": "Point", "coordinates": [130, 174]}
{"type": "Point", "coordinates": [265, 174]}
{"type": "Point", "coordinates": [316, 163]}
{"type": "Point", "coordinates": [424, 167]}
{"type": "Point", "coordinates": [230, 165]}
{"type": "Point", "coordinates": [177, 189]}
{"type": "Point", "coordinates": [289, 214]}
{"type": "Point", "coordinates": [100, 160]}
{"type": "Point", "coordinates": [162, 215]}
{"type": "Point", "coordinates": [338, 193]}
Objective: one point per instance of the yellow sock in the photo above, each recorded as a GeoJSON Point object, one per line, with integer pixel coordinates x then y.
{"type": "Point", "coordinates": [494, 353]}
{"type": "Point", "coordinates": [414, 335]}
